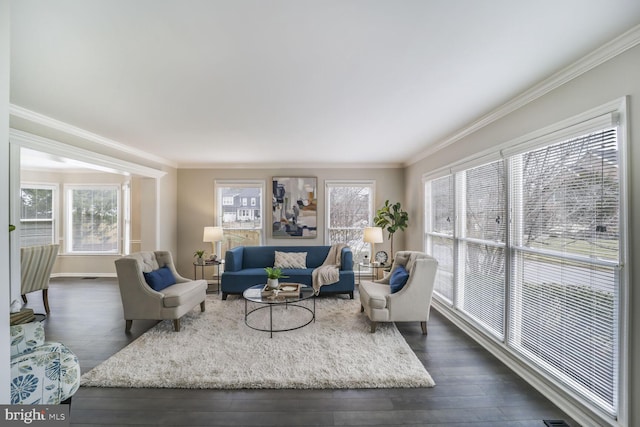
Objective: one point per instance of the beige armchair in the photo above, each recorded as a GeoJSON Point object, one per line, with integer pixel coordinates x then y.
{"type": "Point", "coordinates": [36, 263]}
{"type": "Point", "coordinates": [140, 301]}
{"type": "Point", "coordinates": [412, 303]}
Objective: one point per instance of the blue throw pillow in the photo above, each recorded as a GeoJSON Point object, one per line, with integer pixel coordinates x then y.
{"type": "Point", "coordinates": [160, 278]}
{"type": "Point", "coordinates": [398, 279]}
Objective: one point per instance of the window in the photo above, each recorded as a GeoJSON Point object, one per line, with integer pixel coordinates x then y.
{"type": "Point", "coordinates": [551, 263]}
{"type": "Point", "coordinates": [566, 261]}
{"type": "Point", "coordinates": [93, 219]}
{"type": "Point", "coordinates": [481, 205]}
{"type": "Point", "coordinates": [38, 214]}
{"type": "Point", "coordinates": [349, 211]}
{"type": "Point", "coordinates": [242, 225]}
{"type": "Point", "coordinates": [439, 222]}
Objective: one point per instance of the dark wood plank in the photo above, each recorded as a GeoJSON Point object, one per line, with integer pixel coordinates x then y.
{"type": "Point", "coordinates": [473, 387]}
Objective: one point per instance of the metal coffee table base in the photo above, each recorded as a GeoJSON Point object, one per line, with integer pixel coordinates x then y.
{"type": "Point", "coordinates": [270, 306]}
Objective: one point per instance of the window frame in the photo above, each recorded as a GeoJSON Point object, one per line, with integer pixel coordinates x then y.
{"type": "Point", "coordinates": [55, 208]}
{"type": "Point", "coordinates": [219, 203]}
{"type": "Point", "coordinates": [328, 184]}
{"type": "Point", "coordinates": [68, 190]}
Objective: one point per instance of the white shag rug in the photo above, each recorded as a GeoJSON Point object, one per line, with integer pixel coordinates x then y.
{"type": "Point", "coordinates": [216, 350]}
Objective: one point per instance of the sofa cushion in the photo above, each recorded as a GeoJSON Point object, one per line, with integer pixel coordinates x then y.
{"type": "Point", "coordinates": [160, 279]}
{"type": "Point", "coordinates": [264, 256]}
{"type": "Point", "coordinates": [373, 295]}
{"type": "Point", "coordinates": [398, 279]}
{"type": "Point", "coordinates": [180, 293]}
{"type": "Point", "coordinates": [290, 260]}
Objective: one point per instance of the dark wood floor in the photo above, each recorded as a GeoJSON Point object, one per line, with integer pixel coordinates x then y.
{"type": "Point", "coordinates": [473, 388]}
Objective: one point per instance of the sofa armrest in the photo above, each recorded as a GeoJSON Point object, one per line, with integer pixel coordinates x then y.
{"type": "Point", "coordinates": [233, 259]}
{"type": "Point", "coordinates": [346, 259]}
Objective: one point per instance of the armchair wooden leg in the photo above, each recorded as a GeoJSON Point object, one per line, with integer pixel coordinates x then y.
{"type": "Point", "coordinates": [45, 300]}
{"type": "Point", "coordinates": [176, 325]}
{"type": "Point", "coordinates": [127, 327]}
{"type": "Point", "coordinates": [374, 325]}
{"type": "Point", "coordinates": [361, 308]}
{"type": "Point", "coordinates": [424, 327]}
{"type": "Point", "coordinates": [202, 306]}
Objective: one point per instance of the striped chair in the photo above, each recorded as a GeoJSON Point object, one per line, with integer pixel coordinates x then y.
{"type": "Point", "coordinates": [36, 263]}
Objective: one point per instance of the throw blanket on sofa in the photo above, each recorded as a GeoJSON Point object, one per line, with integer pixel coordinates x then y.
{"type": "Point", "coordinates": [329, 271]}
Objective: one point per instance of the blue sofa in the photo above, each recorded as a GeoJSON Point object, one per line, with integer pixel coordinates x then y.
{"type": "Point", "coordinates": [244, 267]}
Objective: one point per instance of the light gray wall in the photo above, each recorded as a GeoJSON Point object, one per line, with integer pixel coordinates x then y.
{"type": "Point", "coordinates": [168, 214]}
{"type": "Point", "coordinates": [196, 203]}
{"type": "Point", "coordinates": [614, 79]}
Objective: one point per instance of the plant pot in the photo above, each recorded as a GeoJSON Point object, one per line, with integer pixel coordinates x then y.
{"type": "Point", "coordinates": [200, 261]}
{"type": "Point", "coordinates": [272, 283]}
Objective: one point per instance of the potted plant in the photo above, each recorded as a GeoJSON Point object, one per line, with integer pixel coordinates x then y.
{"type": "Point", "coordinates": [273, 274]}
{"type": "Point", "coordinates": [391, 218]}
{"type": "Point", "coordinates": [199, 255]}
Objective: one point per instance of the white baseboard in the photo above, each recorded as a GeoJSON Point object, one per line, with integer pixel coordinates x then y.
{"type": "Point", "coordinates": [84, 275]}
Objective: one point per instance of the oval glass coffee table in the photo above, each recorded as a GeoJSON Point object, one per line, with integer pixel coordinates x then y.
{"type": "Point", "coordinates": [254, 295]}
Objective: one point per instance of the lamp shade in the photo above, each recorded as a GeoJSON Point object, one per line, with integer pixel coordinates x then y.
{"type": "Point", "coordinates": [373, 235]}
{"type": "Point", "coordinates": [212, 234]}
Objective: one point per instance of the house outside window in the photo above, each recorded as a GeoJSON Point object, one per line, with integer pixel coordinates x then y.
{"type": "Point", "coordinates": [556, 279]}
{"type": "Point", "coordinates": [242, 226]}
{"type": "Point", "coordinates": [38, 214]}
{"type": "Point", "coordinates": [349, 209]}
{"type": "Point", "coordinates": [93, 219]}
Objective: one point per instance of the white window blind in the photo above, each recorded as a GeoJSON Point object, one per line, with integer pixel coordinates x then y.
{"type": "Point", "coordinates": [565, 281]}
{"type": "Point", "coordinates": [439, 228]}
{"type": "Point", "coordinates": [549, 253]}
{"type": "Point", "coordinates": [37, 215]}
{"type": "Point", "coordinates": [93, 219]}
{"type": "Point", "coordinates": [481, 203]}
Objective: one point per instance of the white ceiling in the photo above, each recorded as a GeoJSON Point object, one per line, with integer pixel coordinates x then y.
{"type": "Point", "coordinates": [292, 82]}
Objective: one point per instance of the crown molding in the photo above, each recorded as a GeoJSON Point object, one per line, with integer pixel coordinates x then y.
{"type": "Point", "coordinates": [598, 57]}
{"type": "Point", "coordinates": [102, 162]}
{"type": "Point", "coordinates": [318, 165]}
{"type": "Point", "coordinates": [41, 119]}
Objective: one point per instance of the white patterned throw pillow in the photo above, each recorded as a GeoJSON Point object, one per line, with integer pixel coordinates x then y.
{"type": "Point", "coordinates": [290, 260]}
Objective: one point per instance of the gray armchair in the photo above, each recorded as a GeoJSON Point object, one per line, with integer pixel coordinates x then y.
{"type": "Point", "coordinates": [140, 301]}
{"type": "Point", "coordinates": [412, 303]}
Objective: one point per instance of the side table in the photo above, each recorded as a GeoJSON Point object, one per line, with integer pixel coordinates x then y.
{"type": "Point", "coordinates": [375, 266]}
{"type": "Point", "coordinates": [216, 264]}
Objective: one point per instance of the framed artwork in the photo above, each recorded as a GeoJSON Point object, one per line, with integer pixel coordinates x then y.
{"type": "Point", "coordinates": [294, 210]}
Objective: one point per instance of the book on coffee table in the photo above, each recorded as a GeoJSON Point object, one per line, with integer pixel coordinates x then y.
{"type": "Point", "coordinates": [284, 290]}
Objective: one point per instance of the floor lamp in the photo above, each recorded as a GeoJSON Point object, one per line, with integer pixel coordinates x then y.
{"type": "Point", "coordinates": [213, 235]}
